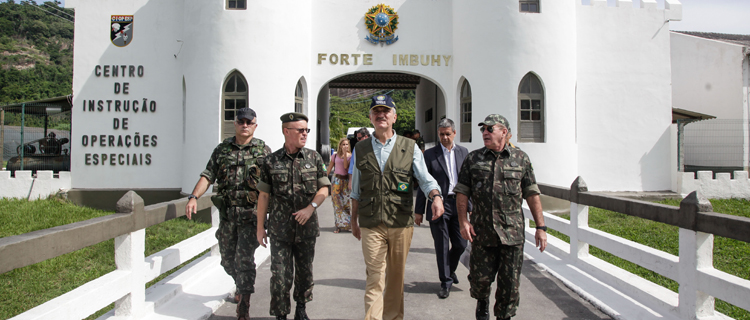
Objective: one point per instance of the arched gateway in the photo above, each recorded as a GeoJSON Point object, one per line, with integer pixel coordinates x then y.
{"type": "Point", "coordinates": [186, 65]}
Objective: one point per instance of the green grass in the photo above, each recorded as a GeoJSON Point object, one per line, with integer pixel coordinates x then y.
{"type": "Point", "coordinates": [25, 288]}
{"type": "Point", "coordinates": [730, 256]}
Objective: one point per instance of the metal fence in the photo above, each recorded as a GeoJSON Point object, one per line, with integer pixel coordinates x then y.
{"type": "Point", "coordinates": [44, 148]}
{"type": "Point", "coordinates": [718, 145]}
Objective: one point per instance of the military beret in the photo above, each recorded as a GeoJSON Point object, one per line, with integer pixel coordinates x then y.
{"type": "Point", "coordinates": [494, 119]}
{"type": "Point", "coordinates": [382, 100]}
{"type": "Point", "coordinates": [292, 117]}
{"type": "Point", "coordinates": [246, 113]}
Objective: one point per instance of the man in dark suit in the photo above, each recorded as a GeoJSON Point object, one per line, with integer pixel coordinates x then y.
{"type": "Point", "coordinates": [443, 163]}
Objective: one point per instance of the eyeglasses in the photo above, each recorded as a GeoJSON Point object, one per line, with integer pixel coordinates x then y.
{"type": "Point", "coordinates": [300, 130]}
{"type": "Point", "coordinates": [489, 129]}
{"type": "Point", "coordinates": [245, 122]}
{"type": "Point", "coordinates": [360, 138]}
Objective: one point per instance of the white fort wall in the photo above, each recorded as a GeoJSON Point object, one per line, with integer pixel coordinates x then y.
{"type": "Point", "coordinates": [624, 96]}
{"type": "Point", "coordinates": [605, 73]}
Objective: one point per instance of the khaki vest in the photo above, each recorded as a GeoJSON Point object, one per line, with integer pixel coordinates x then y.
{"type": "Point", "coordinates": [386, 197]}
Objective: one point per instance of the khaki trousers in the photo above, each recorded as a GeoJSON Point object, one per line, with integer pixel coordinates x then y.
{"type": "Point", "coordinates": [385, 251]}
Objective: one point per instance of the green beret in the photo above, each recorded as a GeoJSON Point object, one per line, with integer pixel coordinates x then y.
{"type": "Point", "coordinates": [292, 117]}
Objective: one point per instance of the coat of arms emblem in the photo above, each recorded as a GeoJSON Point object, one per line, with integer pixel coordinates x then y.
{"type": "Point", "coordinates": [121, 30]}
{"type": "Point", "coordinates": [382, 22]}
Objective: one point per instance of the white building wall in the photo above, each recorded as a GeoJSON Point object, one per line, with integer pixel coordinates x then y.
{"type": "Point", "coordinates": [623, 96]}
{"type": "Point", "coordinates": [155, 22]}
{"type": "Point", "coordinates": [602, 69]}
{"type": "Point", "coordinates": [498, 46]}
{"type": "Point", "coordinates": [707, 76]}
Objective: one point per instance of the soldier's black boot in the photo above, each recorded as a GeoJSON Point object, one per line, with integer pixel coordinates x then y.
{"type": "Point", "coordinates": [483, 309]}
{"type": "Point", "coordinates": [281, 317]}
{"type": "Point", "coordinates": [300, 313]}
{"type": "Point", "coordinates": [498, 318]}
{"type": "Point", "coordinates": [243, 307]}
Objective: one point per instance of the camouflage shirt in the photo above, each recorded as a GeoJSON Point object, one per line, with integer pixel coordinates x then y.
{"type": "Point", "coordinates": [292, 181]}
{"type": "Point", "coordinates": [236, 170]}
{"type": "Point", "coordinates": [497, 183]}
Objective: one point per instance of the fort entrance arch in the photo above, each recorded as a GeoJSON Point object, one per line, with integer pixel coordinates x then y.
{"type": "Point", "coordinates": [429, 106]}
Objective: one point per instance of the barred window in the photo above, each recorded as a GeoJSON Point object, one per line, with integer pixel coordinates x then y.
{"type": "Point", "coordinates": [529, 5]}
{"type": "Point", "coordinates": [466, 112]}
{"type": "Point", "coordinates": [234, 97]}
{"type": "Point", "coordinates": [530, 109]}
{"type": "Point", "coordinates": [236, 5]}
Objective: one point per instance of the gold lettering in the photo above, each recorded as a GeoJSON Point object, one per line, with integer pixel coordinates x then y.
{"type": "Point", "coordinates": [425, 59]}
{"type": "Point", "coordinates": [321, 57]}
{"type": "Point", "coordinates": [395, 59]}
{"type": "Point", "coordinates": [367, 59]}
{"type": "Point", "coordinates": [345, 58]}
{"type": "Point", "coordinates": [355, 56]}
{"type": "Point", "coordinates": [447, 58]}
{"type": "Point", "coordinates": [413, 60]}
{"type": "Point", "coordinates": [334, 58]}
{"type": "Point", "coordinates": [436, 59]}
{"type": "Point", "coordinates": [403, 59]}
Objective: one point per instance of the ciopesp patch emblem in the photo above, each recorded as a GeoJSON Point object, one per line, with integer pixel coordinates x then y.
{"type": "Point", "coordinates": [121, 30]}
{"type": "Point", "coordinates": [381, 21]}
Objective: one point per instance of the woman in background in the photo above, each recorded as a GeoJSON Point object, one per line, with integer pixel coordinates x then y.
{"type": "Point", "coordinates": [340, 194]}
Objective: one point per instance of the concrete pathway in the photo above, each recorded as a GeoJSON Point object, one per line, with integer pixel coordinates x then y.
{"type": "Point", "coordinates": [340, 281]}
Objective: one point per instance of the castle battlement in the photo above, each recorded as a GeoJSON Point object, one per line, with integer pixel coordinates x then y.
{"type": "Point", "coordinates": [25, 186]}
{"type": "Point", "coordinates": [672, 8]}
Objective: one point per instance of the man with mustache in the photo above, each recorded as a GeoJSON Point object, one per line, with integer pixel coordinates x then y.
{"type": "Point", "coordinates": [497, 178]}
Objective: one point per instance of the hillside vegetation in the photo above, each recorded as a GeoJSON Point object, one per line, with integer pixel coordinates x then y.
{"type": "Point", "coordinates": [36, 51]}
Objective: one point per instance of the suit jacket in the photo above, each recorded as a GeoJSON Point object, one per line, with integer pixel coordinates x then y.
{"type": "Point", "coordinates": [437, 167]}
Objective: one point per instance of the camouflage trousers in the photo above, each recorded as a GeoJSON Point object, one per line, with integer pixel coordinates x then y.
{"type": "Point", "coordinates": [237, 244]}
{"type": "Point", "coordinates": [291, 260]}
{"type": "Point", "coordinates": [506, 262]}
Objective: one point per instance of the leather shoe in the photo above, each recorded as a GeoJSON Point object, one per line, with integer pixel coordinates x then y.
{"type": "Point", "coordinates": [300, 313]}
{"type": "Point", "coordinates": [483, 309]}
{"type": "Point", "coordinates": [444, 293]}
{"type": "Point", "coordinates": [281, 317]}
{"type": "Point", "coordinates": [455, 278]}
{"type": "Point", "coordinates": [498, 318]}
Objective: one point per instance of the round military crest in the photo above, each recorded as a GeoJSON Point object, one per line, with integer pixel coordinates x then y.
{"type": "Point", "coordinates": [381, 21]}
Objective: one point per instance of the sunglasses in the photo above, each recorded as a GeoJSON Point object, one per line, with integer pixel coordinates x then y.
{"type": "Point", "coordinates": [300, 130]}
{"type": "Point", "coordinates": [245, 122]}
{"type": "Point", "coordinates": [489, 129]}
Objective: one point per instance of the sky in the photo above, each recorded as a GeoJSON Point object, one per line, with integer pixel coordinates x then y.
{"type": "Point", "coordinates": [721, 16]}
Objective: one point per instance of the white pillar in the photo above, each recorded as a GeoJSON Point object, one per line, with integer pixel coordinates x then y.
{"type": "Point", "coordinates": [579, 218]}
{"type": "Point", "coordinates": [696, 252]}
{"type": "Point", "coordinates": [129, 256]}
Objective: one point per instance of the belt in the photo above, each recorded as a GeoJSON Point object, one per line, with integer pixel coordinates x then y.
{"type": "Point", "coordinates": [450, 196]}
{"type": "Point", "coordinates": [342, 176]}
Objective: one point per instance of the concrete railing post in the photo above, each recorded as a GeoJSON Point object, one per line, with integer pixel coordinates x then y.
{"type": "Point", "coordinates": [579, 217]}
{"type": "Point", "coordinates": [129, 256]}
{"type": "Point", "coordinates": [696, 252]}
{"type": "Point", "coordinates": [215, 223]}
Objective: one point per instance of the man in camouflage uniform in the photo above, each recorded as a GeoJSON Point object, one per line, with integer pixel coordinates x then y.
{"type": "Point", "coordinates": [295, 178]}
{"type": "Point", "coordinates": [497, 178]}
{"type": "Point", "coordinates": [233, 165]}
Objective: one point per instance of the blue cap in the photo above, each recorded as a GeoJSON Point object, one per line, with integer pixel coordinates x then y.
{"type": "Point", "coordinates": [382, 100]}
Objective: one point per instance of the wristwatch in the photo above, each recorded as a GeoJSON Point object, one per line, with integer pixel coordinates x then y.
{"type": "Point", "coordinates": [192, 197]}
{"type": "Point", "coordinates": [544, 228]}
{"type": "Point", "coordinates": [437, 195]}
{"type": "Point", "coordinates": [315, 205]}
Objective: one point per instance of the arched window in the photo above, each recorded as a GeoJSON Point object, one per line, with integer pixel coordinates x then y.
{"type": "Point", "coordinates": [236, 5]}
{"type": "Point", "coordinates": [529, 5]}
{"type": "Point", "coordinates": [234, 97]}
{"type": "Point", "coordinates": [466, 112]}
{"type": "Point", "coordinates": [530, 110]}
{"type": "Point", "coordinates": [299, 98]}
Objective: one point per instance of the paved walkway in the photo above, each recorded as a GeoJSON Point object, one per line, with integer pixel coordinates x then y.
{"type": "Point", "coordinates": [340, 281]}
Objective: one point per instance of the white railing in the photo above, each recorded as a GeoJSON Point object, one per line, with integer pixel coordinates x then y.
{"type": "Point", "coordinates": [698, 281]}
{"type": "Point", "coordinates": [126, 286]}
